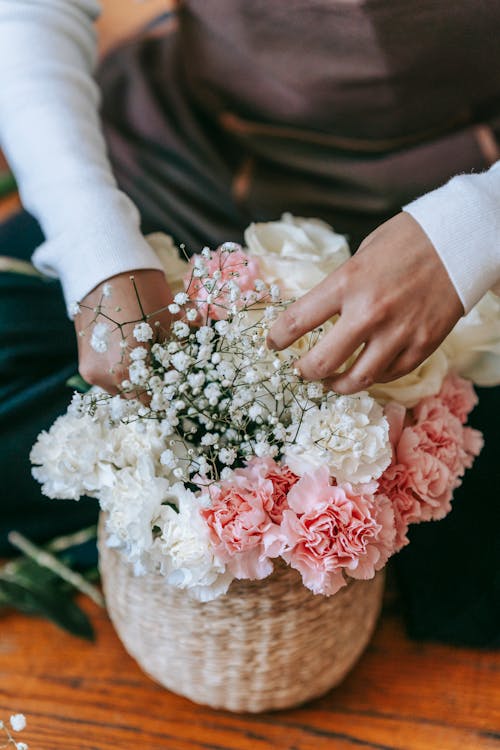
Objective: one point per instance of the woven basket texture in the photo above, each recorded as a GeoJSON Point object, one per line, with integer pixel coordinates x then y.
{"type": "Point", "coordinates": [265, 645]}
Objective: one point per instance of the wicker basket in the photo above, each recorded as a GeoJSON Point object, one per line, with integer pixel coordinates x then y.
{"type": "Point", "coordinates": [265, 645]}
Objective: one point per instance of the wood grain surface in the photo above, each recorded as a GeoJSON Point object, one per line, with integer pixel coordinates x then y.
{"type": "Point", "coordinates": [9, 206]}
{"type": "Point", "coordinates": [402, 695]}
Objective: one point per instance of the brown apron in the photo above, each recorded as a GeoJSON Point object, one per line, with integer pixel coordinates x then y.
{"type": "Point", "coordinates": [236, 110]}
{"type": "Point", "coordinates": [231, 111]}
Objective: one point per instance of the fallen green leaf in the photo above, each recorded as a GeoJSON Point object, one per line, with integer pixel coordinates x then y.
{"type": "Point", "coordinates": [30, 597]}
{"type": "Point", "coordinates": [34, 589]}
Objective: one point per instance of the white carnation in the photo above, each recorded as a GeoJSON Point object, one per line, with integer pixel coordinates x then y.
{"type": "Point", "coordinates": [186, 557]}
{"type": "Point", "coordinates": [133, 502]}
{"type": "Point", "coordinates": [68, 457]}
{"type": "Point", "coordinates": [348, 434]}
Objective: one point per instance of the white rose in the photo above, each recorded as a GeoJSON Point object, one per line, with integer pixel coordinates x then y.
{"type": "Point", "coordinates": [425, 380]}
{"type": "Point", "coordinates": [168, 253]}
{"type": "Point", "coordinates": [473, 347]}
{"type": "Point", "coordinates": [348, 434]}
{"type": "Point", "coordinates": [296, 253]}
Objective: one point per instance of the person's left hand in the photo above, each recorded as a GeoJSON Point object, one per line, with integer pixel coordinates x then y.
{"type": "Point", "coordinates": [394, 296]}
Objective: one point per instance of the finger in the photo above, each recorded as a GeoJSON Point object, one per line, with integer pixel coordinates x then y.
{"type": "Point", "coordinates": [369, 367]}
{"type": "Point", "coordinates": [308, 312]}
{"type": "Point", "coordinates": [331, 351]}
{"type": "Point", "coordinates": [405, 362]}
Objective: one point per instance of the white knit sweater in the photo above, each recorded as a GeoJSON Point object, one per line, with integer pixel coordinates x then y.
{"type": "Point", "coordinates": [50, 133]}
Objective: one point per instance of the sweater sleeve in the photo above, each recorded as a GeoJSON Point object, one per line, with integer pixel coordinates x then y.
{"type": "Point", "coordinates": [51, 135]}
{"type": "Point", "coordinates": [462, 220]}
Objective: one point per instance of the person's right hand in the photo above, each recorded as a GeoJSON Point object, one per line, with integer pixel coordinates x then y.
{"type": "Point", "coordinates": [108, 369]}
{"type": "Point", "coordinates": [394, 296]}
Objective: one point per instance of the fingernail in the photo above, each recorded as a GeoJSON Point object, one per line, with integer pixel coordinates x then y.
{"type": "Point", "coordinates": [297, 369]}
{"type": "Point", "coordinates": [271, 343]}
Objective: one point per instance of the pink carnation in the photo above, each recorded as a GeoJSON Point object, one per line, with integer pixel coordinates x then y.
{"type": "Point", "coordinates": [439, 432]}
{"type": "Point", "coordinates": [433, 453]}
{"type": "Point", "coordinates": [282, 479]}
{"type": "Point", "coordinates": [396, 484]}
{"type": "Point", "coordinates": [473, 445]}
{"type": "Point", "coordinates": [238, 520]}
{"type": "Point", "coordinates": [430, 477]}
{"type": "Point", "coordinates": [395, 414]}
{"type": "Point", "coordinates": [459, 396]}
{"type": "Point", "coordinates": [235, 265]}
{"type": "Point", "coordinates": [332, 529]}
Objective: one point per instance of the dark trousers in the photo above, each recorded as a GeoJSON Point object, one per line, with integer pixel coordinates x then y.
{"type": "Point", "coordinates": [449, 576]}
{"type": "Point", "coordinates": [37, 356]}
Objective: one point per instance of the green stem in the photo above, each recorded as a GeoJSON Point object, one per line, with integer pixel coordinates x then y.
{"type": "Point", "coordinates": [49, 561]}
{"type": "Point", "coordinates": [63, 543]}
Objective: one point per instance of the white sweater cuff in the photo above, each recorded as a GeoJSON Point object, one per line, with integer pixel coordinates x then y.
{"type": "Point", "coordinates": [103, 241]}
{"type": "Point", "coordinates": [462, 220]}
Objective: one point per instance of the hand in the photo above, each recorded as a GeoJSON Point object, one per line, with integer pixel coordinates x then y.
{"type": "Point", "coordinates": [394, 296]}
{"type": "Point", "coordinates": [109, 369]}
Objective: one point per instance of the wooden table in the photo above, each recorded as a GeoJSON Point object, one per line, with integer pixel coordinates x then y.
{"type": "Point", "coordinates": [401, 696]}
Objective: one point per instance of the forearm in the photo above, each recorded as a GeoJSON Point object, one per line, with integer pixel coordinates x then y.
{"type": "Point", "coordinates": [462, 220]}
{"type": "Point", "coordinates": [50, 132]}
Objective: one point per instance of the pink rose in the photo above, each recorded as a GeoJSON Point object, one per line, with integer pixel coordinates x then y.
{"type": "Point", "coordinates": [330, 530]}
{"type": "Point", "coordinates": [238, 521]}
{"type": "Point", "coordinates": [459, 396]}
{"type": "Point", "coordinates": [237, 266]}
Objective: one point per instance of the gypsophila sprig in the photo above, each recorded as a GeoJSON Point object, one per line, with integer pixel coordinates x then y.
{"type": "Point", "coordinates": [17, 723]}
{"type": "Point", "coordinates": [217, 458]}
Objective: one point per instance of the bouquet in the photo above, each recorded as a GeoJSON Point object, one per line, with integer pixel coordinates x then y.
{"type": "Point", "coordinates": [217, 459]}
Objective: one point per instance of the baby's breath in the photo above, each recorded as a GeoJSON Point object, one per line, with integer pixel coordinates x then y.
{"type": "Point", "coordinates": [220, 395]}
{"type": "Point", "coordinates": [17, 724]}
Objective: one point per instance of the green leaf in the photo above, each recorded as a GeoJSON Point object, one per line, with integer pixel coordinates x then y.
{"type": "Point", "coordinates": [34, 589]}
{"type": "Point", "coordinates": [28, 595]}
{"type": "Point", "coordinates": [78, 383]}
{"type": "Point", "coordinates": [7, 184]}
